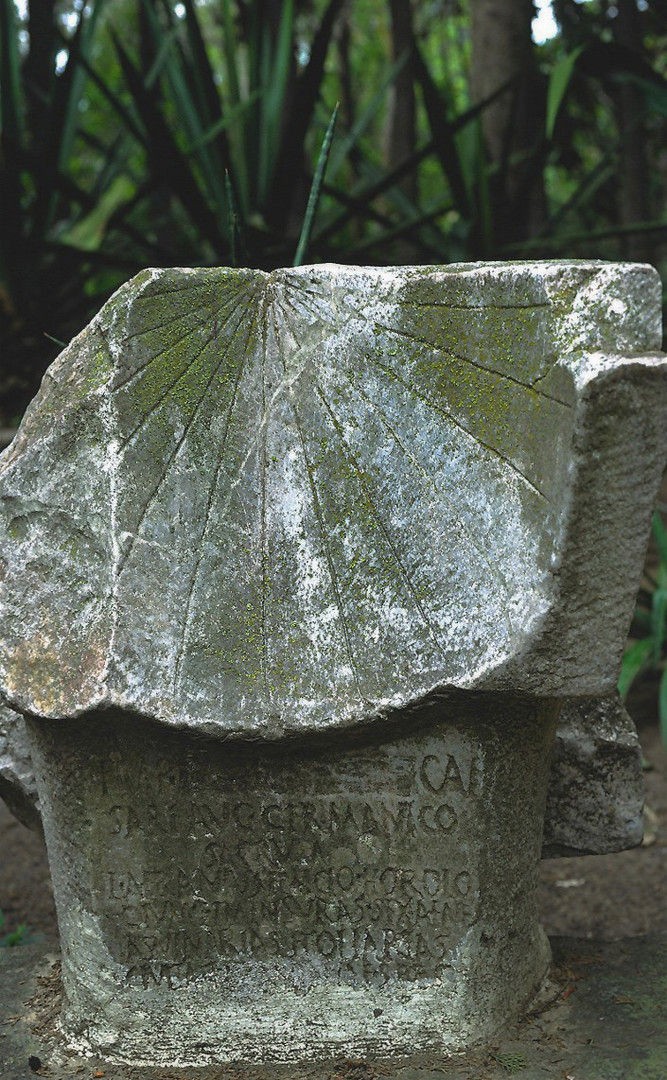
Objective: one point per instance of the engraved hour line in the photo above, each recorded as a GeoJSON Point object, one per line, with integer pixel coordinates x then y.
{"type": "Point", "coordinates": [321, 296]}
{"type": "Point", "coordinates": [349, 456]}
{"type": "Point", "coordinates": [136, 374]}
{"type": "Point", "coordinates": [157, 404]}
{"type": "Point", "coordinates": [328, 555]}
{"type": "Point", "coordinates": [412, 389]}
{"type": "Point", "coordinates": [177, 446]}
{"type": "Point", "coordinates": [528, 387]}
{"type": "Point", "coordinates": [309, 309]}
{"type": "Point", "coordinates": [263, 482]}
{"type": "Point", "coordinates": [298, 287]}
{"type": "Point", "coordinates": [506, 613]}
{"type": "Point", "coordinates": [491, 371]}
{"type": "Point", "coordinates": [139, 371]}
{"type": "Point", "coordinates": [461, 427]}
{"type": "Point", "coordinates": [546, 375]}
{"type": "Point", "coordinates": [207, 520]}
{"type": "Point", "coordinates": [211, 283]}
{"type": "Point", "coordinates": [211, 339]}
{"type": "Point", "coordinates": [476, 307]}
{"type": "Point", "coordinates": [319, 311]}
{"type": "Point", "coordinates": [191, 313]}
{"type": "Point", "coordinates": [195, 285]}
{"type": "Point", "coordinates": [495, 572]}
{"type": "Point", "coordinates": [316, 307]}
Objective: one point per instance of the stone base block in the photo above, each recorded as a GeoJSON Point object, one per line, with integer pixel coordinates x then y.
{"type": "Point", "coordinates": [17, 777]}
{"type": "Point", "coordinates": [242, 902]}
{"type": "Point", "coordinates": [596, 788]}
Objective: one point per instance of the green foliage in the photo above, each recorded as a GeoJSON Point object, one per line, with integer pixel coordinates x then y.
{"type": "Point", "coordinates": [54, 272]}
{"type": "Point", "coordinates": [190, 134]}
{"type": "Point", "coordinates": [21, 936]}
{"type": "Point", "coordinates": [648, 652]}
{"type": "Point", "coordinates": [221, 117]}
{"type": "Point", "coordinates": [583, 85]}
{"type": "Point", "coordinates": [315, 191]}
{"type": "Point", "coordinates": [512, 1063]}
{"type": "Point", "coordinates": [559, 81]}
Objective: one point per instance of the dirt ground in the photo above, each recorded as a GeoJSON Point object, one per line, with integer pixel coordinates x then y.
{"type": "Point", "coordinates": [606, 897]}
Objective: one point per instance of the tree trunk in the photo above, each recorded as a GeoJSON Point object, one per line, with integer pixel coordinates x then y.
{"type": "Point", "coordinates": [401, 136]}
{"type": "Point", "coordinates": [512, 125]}
{"type": "Point", "coordinates": [39, 66]}
{"type": "Point", "coordinates": [633, 199]}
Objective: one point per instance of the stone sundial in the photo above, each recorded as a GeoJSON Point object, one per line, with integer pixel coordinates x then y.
{"type": "Point", "coordinates": [409, 502]}
{"type": "Point", "coordinates": [276, 502]}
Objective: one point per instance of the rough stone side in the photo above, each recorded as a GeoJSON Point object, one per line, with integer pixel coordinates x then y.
{"type": "Point", "coordinates": [619, 450]}
{"type": "Point", "coordinates": [596, 787]}
{"type": "Point", "coordinates": [18, 786]}
{"type": "Point", "coordinates": [56, 545]}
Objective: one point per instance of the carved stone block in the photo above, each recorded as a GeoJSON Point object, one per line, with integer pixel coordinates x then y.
{"type": "Point", "coordinates": [296, 570]}
{"type": "Point", "coordinates": [596, 787]}
{"type": "Point", "coordinates": [243, 902]}
{"type": "Point", "coordinates": [18, 786]}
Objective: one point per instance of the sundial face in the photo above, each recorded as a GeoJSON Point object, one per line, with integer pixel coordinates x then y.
{"type": "Point", "coordinates": [266, 503]}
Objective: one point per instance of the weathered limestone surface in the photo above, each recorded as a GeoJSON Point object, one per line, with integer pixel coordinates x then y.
{"type": "Point", "coordinates": [238, 901]}
{"type": "Point", "coordinates": [18, 786]}
{"type": "Point", "coordinates": [596, 786]}
{"type": "Point", "coordinates": [595, 793]}
{"type": "Point", "coordinates": [263, 504]}
{"type": "Point", "coordinates": [296, 570]}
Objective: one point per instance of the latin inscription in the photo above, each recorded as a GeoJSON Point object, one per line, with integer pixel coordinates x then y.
{"type": "Point", "coordinates": [357, 865]}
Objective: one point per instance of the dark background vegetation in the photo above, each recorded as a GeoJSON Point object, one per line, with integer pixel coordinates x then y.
{"type": "Point", "coordinates": [156, 132]}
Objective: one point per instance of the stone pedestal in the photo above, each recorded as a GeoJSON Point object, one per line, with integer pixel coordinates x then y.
{"type": "Point", "coordinates": [234, 902]}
